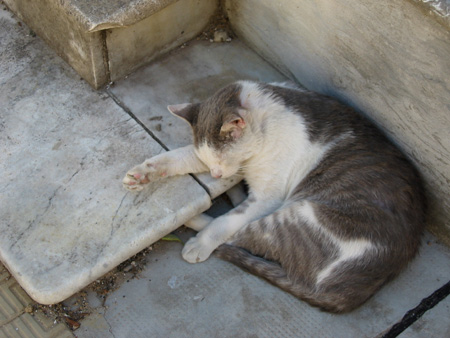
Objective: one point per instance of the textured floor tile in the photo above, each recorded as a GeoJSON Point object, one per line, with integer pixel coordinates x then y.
{"type": "Point", "coordinates": [28, 326]}
{"type": "Point", "coordinates": [13, 301]}
{"type": "Point", "coordinates": [15, 322]}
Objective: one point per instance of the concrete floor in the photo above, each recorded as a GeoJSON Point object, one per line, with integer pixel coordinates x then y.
{"type": "Point", "coordinates": [169, 297]}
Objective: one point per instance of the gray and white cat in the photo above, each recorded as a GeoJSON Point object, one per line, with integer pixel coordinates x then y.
{"type": "Point", "coordinates": [334, 210]}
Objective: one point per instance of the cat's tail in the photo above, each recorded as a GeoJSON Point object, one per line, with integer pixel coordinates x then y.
{"type": "Point", "coordinates": [276, 275]}
{"type": "Point", "coordinates": [258, 266]}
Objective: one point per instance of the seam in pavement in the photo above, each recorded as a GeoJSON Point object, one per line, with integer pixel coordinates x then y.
{"type": "Point", "coordinates": [16, 315]}
{"type": "Point", "coordinates": [152, 135]}
{"type": "Point", "coordinates": [134, 117]}
{"type": "Point", "coordinates": [110, 329]}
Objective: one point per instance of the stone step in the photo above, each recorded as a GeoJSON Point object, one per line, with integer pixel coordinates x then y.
{"type": "Point", "coordinates": [76, 222]}
{"type": "Point", "coordinates": [106, 40]}
{"type": "Point", "coordinates": [65, 218]}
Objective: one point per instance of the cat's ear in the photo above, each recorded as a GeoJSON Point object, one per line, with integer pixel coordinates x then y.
{"type": "Point", "coordinates": [233, 126]}
{"type": "Point", "coordinates": [186, 111]}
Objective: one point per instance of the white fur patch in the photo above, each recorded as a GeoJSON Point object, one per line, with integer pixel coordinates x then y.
{"type": "Point", "coordinates": [288, 85]}
{"type": "Point", "coordinates": [348, 250]}
{"type": "Point", "coordinates": [279, 134]}
{"type": "Point", "coordinates": [221, 165]}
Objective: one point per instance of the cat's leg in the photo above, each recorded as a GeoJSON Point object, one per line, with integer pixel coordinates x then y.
{"type": "Point", "coordinates": [237, 194]}
{"type": "Point", "coordinates": [175, 162]}
{"type": "Point", "coordinates": [199, 222]}
{"type": "Point", "coordinates": [200, 247]}
{"type": "Point", "coordinates": [290, 249]}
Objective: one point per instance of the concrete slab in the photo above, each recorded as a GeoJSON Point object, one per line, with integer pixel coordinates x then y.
{"type": "Point", "coordinates": [172, 298]}
{"type": "Point", "coordinates": [189, 74]}
{"type": "Point", "coordinates": [64, 148]}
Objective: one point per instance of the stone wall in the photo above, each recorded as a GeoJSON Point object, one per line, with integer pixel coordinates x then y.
{"type": "Point", "coordinates": [389, 58]}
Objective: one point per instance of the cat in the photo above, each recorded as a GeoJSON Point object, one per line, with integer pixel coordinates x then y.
{"type": "Point", "coordinates": [334, 209]}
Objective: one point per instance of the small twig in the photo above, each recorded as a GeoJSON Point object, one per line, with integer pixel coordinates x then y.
{"type": "Point", "coordinates": [412, 315]}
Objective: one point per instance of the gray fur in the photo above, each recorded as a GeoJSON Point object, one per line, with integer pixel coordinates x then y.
{"type": "Point", "coordinates": [363, 189]}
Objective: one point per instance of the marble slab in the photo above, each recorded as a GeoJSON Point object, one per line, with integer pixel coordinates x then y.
{"type": "Point", "coordinates": [189, 74]}
{"type": "Point", "coordinates": [65, 219]}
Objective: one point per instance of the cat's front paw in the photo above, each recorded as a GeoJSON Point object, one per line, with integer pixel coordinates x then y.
{"type": "Point", "coordinates": [135, 179]}
{"type": "Point", "coordinates": [196, 250]}
{"type": "Point", "coordinates": [149, 171]}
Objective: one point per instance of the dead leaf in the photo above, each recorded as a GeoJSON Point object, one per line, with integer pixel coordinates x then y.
{"type": "Point", "coordinates": [172, 238]}
{"type": "Point", "coordinates": [73, 324]}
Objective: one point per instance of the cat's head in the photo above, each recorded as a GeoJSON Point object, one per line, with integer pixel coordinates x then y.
{"type": "Point", "coordinates": [219, 126]}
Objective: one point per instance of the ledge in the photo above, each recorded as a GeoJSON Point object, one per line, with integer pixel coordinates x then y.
{"type": "Point", "coordinates": [105, 14]}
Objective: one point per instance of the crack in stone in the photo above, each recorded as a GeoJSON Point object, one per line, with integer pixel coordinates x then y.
{"type": "Point", "coordinates": [76, 173]}
{"type": "Point", "coordinates": [37, 218]}
{"type": "Point", "coordinates": [81, 167]}
{"type": "Point", "coordinates": [115, 214]}
{"type": "Point", "coordinates": [5, 187]}
{"type": "Point", "coordinates": [50, 200]}
{"type": "Point", "coordinates": [107, 322]}
{"type": "Point", "coordinates": [116, 125]}
{"type": "Point", "coordinates": [100, 252]}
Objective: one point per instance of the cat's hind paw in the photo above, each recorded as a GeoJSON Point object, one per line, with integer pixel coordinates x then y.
{"type": "Point", "coordinates": [195, 251]}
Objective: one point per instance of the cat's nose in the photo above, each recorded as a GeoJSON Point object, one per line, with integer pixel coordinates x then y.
{"type": "Point", "coordinates": [216, 173]}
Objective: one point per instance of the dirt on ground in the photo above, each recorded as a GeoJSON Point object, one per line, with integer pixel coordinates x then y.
{"type": "Point", "coordinates": [76, 308]}
{"type": "Point", "coordinates": [219, 25]}
{"type": "Point", "coordinates": [73, 310]}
